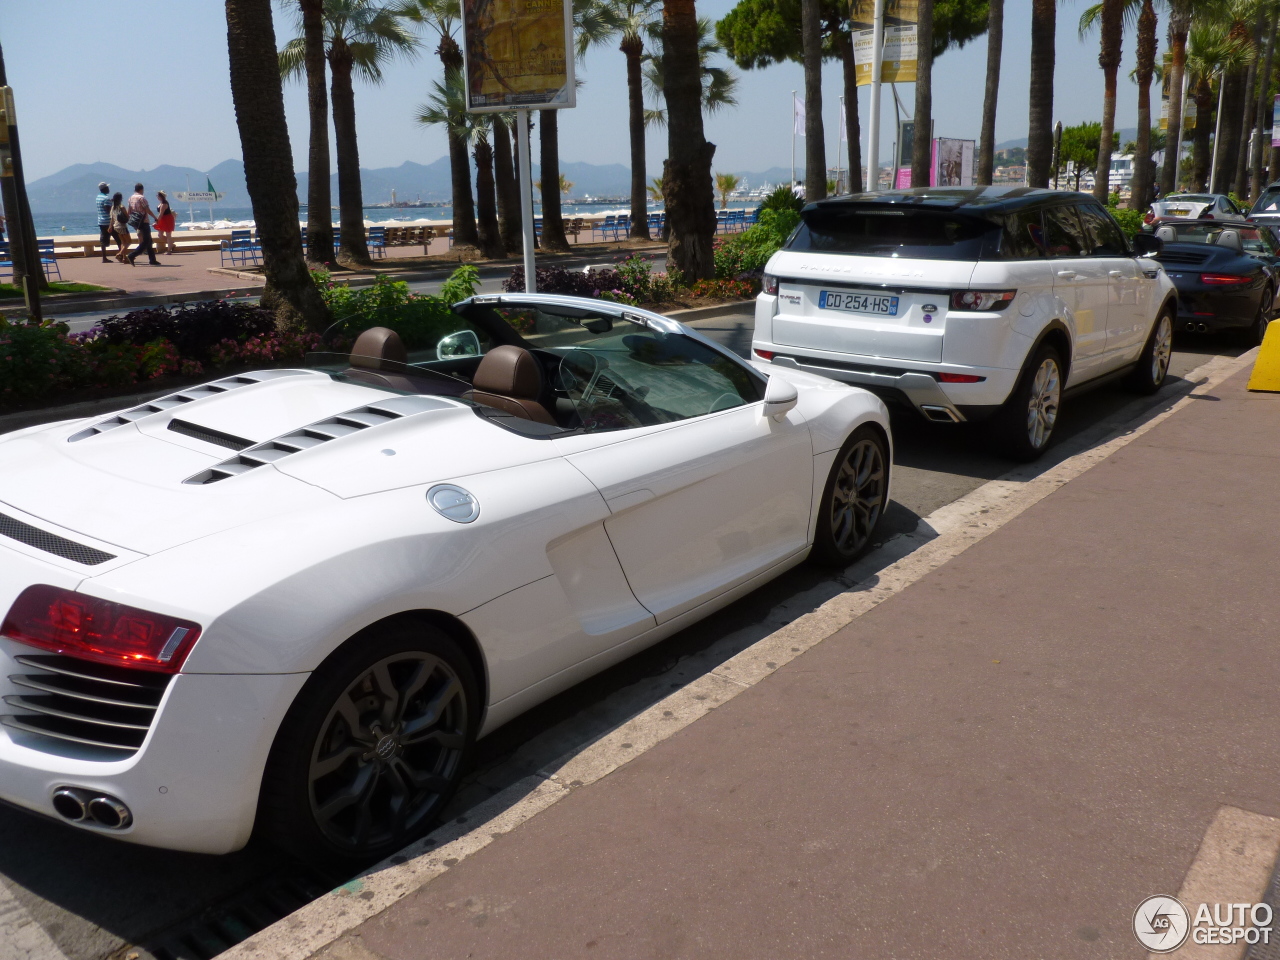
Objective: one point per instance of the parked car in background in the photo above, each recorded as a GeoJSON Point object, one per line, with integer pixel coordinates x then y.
{"type": "Point", "coordinates": [989, 303]}
{"type": "Point", "coordinates": [1209, 206]}
{"type": "Point", "coordinates": [1266, 209]}
{"type": "Point", "coordinates": [297, 597]}
{"type": "Point", "coordinates": [1227, 273]}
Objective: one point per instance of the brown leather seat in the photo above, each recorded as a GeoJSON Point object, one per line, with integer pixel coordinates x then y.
{"type": "Point", "coordinates": [510, 379]}
{"type": "Point", "coordinates": [376, 345]}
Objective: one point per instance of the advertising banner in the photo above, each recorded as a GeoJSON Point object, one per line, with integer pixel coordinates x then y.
{"type": "Point", "coordinates": [899, 57]}
{"type": "Point", "coordinates": [518, 54]}
{"type": "Point", "coordinates": [1275, 128]}
{"type": "Point", "coordinates": [952, 163]}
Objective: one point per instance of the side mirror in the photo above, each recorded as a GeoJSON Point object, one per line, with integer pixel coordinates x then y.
{"type": "Point", "coordinates": [1146, 245]}
{"type": "Point", "coordinates": [463, 343]}
{"type": "Point", "coordinates": [779, 397]}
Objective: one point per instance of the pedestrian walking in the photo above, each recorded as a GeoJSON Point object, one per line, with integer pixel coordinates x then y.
{"type": "Point", "coordinates": [140, 217]}
{"type": "Point", "coordinates": [105, 232]}
{"type": "Point", "coordinates": [120, 225]}
{"type": "Point", "coordinates": [165, 221]}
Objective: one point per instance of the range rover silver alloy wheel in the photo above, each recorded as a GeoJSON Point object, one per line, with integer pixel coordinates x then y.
{"type": "Point", "coordinates": [1046, 395]}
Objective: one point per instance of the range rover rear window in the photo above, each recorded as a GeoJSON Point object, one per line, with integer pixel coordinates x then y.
{"type": "Point", "coordinates": [914, 234]}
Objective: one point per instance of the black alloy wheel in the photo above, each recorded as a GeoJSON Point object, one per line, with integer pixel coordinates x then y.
{"type": "Point", "coordinates": [853, 500]}
{"type": "Point", "coordinates": [1251, 336]}
{"type": "Point", "coordinates": [373, 747]}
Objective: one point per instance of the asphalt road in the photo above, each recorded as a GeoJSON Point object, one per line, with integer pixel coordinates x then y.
{"type": "Point", "coordinates": [69, 894]}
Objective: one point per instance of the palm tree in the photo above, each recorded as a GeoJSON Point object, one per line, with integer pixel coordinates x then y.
{"type": "Point", "coordinates": [1214, 51]}
{"type": "Point", "coordinates": [815, 143]}
{"type": "Point", "coordinates": [995, 43]}
{"type": "Point", "coordinates": [566, 185]}
{"type": "Point", "coordinates": [443, 17]}
{"type": "Point", "coordinates": [1110, 15]}
{"type": "Point", "coordinates": [654, 189]}
{"type": "Point", "coordinates": [631, 21]}
{"type": "Point", "coordinates": [1260, 122]}
{"type": "Point", "coordinates": [360, 36]}
{"type": "Point", "coordinates": [509, 215]}
{"type": "Point", "coordinates": [319, 202]}
{"type": "Point", "coordinates": [921, 146]}
{"type": "Point", "coordinates": [258, 96]}
{"type": "Point", "coordinates": [446, 107]}
{"type": "Point", "coordinates": [1044, 18]}
{"type": "Point", "coordinates": [686, 175]}
{"type": "Point", "coordinates": [719, 85]}
{"type": "Point", "coordinates": [1179, 25]}
{"type": "Point", "coordinates": [726, 183]}
{"type": "Point", "coordinates": [1140, 194]}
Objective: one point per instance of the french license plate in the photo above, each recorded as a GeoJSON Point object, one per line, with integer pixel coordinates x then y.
{"type": "Point", "coordinates": [855, 302]}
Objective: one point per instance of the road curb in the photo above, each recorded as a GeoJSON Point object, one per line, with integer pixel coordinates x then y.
{"type": "Point", "coordinates": [895, 565]}
{"type": "Point", "coordinates": [709, 313]}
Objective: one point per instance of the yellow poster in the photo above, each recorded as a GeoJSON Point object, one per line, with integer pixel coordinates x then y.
{"type": "Point", "coordinates": [518, 54]}
{"type": "Point", "coordinates": [898, 64]}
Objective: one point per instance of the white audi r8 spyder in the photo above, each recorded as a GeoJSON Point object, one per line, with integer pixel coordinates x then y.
{"type": "Point", "coordinates": [291, 600]}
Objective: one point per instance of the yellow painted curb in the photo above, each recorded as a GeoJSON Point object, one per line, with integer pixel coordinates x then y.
{"type": "Point", "coordinates": [1266, 369]}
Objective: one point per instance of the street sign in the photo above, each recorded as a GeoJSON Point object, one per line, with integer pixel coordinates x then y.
{"type": "Point", "coordinates": [198, 196]}
{"type": "Point", "coordinates": [518, 54]}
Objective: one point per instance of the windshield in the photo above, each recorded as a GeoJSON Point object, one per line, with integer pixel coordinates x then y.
{"type": "Point", "coordinates": [1254, 240]}
{"type": "Point", "coordinates": [1269, 202]}
{"type": "Point", "coordinates": [916, 234]}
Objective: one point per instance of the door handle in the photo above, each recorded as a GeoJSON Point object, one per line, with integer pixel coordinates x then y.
{"type": "Point", "coordinates": [1067, 274]}
{"type": "Point", "coordinates": [1117, 274]}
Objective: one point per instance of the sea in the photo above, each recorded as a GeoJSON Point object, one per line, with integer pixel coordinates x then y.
{"type": "Point", "coordinates": [78, 223]}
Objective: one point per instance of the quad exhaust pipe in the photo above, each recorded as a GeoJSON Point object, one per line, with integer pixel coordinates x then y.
{"type": "Point", "coordinates": [89, 806]}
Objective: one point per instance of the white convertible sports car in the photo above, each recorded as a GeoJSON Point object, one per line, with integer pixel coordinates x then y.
{"type": "Point", "coordinates": [291, 600]}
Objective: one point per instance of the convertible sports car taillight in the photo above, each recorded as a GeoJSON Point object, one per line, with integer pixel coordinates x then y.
{"type": "Point", "coordinates": [1149, 217]}
{"type": "Point", "coordinates": [76, 625]}
{"type": "Point", "coordinates": [1223, 279]}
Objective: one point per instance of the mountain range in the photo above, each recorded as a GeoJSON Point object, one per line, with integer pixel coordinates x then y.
{"type": "Point", "coordinates": [75, 186]}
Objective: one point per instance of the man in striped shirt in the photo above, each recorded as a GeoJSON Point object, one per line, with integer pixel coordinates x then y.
{"type": "Point", "coordinates": [104, 219]}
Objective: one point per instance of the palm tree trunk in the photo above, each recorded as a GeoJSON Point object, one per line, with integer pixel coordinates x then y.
{"type": "Point", "coordinates": [1201, 150]}
{"type": "Point", "coordinates": [464, 210]}
{"type": "Point", "coordinates": [1230, 146]}
{"type": "Point", "coordinates": [921, 145]}
{"type": "Point", "coordinates": [553, 237]}
{"type": "Point", "coordinates": [319, 199]}
{"type": "Point", "coordinates": [268, 165]}
{"type": "Point", "coordinates": [1179, 22]}
{"type": "Point", "coordinates": [995, 43]}
{"type": "Point", "coordinates": [1111, 32]}
{"type": "Point", "coordinates": [1239, 185]}
{"type": "Point", "coordinates": [1044, 20]}
{"type": "Point", "coordinates": [815, 144]}
{"type": "Point", "coordinates": [486, 203]}
{"type": "Point", "coordinates": [852, 129]}
{"type": "Point", "coordinates": [350, 199]}
{"type": "Point", "coordinates": [632, 48]}
{"type": "Point", "coordinates": [686, 174]}
{"type": "Point", "coordinates": [1260, 121]}
{"type": "Point", "coordinates": [1140, 195]}
{"type": "Point", "coordinates": [508, 187]}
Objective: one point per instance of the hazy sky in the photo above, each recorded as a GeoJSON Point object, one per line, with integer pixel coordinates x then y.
{"type": "Point", "coordinates": [139, 83]}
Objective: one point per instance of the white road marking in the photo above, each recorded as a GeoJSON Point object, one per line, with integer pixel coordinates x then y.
{"type": "Point", "coordinates": [897, 564]}
{"type": "Point", "coordinates": [21, 938]}
{"type": "Point", "coordinates": [1233, 865]}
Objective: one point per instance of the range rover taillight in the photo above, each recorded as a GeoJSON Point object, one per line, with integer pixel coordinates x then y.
{"type": "Point", "coordinates": [770, 284]}
{"type": "Point", "coordinates": [77, 625]}
{"type": "Point", "coordinates": [982, 299]}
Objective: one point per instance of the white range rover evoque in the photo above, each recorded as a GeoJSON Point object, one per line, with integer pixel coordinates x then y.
{"type": "Point", "coordinates": [294, 598]}
{"type": "Point", "coordinates": [989, 303]}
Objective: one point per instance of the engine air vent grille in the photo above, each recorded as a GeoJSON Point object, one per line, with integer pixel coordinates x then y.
{"type": "Point", "coordinates": [161, 404]}
{"type": "Point", "coordinates": [312, 435]}
{"type": "Point", "coordinates": [1183, 256]}
{"type": "Point", "coordinates": [69, 700]}
{"type": "Point", "coordinates": [15, 529]}
{"type": "Point", "coordinates": [208, 435]}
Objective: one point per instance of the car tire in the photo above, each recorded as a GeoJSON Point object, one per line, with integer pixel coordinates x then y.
{"type": "Point", "coordinates": [373, 747]}
{"type": "Point", "coordinates": [1023, 427]}
{"type": "Point", "coordinates": [854, 499]}
{"type": "Point", "coordinates": [1251, 336]}
{"type": "Point", "coordinates": [1153, 363]}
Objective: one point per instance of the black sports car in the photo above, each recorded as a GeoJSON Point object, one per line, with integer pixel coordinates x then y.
{"type": "Point", "coordinates": [1227, 273]}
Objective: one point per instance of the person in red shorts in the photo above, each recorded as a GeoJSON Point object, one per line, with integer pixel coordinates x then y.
{"type": "Point", "coordinates": [165, 221]}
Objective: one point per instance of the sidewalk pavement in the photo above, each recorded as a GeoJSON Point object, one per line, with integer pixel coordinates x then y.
{"type": "Point", "coordinates": [1000, 761]}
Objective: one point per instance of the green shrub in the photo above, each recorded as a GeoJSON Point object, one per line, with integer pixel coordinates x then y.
{"type": "Point", "coordinates": [783, 198]}
{"type": "Point", "coordinates": [1130, 220]}
{"type": "Point", "coordinates": [745, 254]}
{"type": "Point", "coordinates": [420, 319]}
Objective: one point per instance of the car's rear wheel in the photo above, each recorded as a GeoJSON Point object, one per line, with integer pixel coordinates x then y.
{"type": "Point", "coordinates": [1251, 336]}
{"type": "Point", "coordinates": [373, 747]}
{"type": "Point", "coordinates": [1024, 425]}
{"type": "Point", "coordinates": [1153, 365]}
{"type": "Point", "coordinates": [854, 498]}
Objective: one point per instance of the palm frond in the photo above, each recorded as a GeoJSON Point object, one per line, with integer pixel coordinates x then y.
{"type": "Point", "coordinates": [293, 59]}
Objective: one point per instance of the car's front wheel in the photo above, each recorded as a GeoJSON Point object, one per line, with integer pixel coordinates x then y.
{"type": "Point", "coordinates": [373, 747]}
{"type": "Point", "coordinates": [1153, 364]}
{"type": "Point", "coordinates": [1024, 425]}
{"type": "Point", "coordinates": [853, 500]}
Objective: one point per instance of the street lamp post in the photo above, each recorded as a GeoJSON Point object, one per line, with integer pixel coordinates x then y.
{"type": "Point", "coordinates": [873, 122]}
